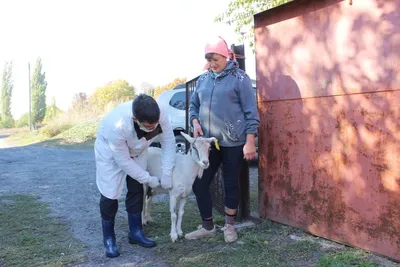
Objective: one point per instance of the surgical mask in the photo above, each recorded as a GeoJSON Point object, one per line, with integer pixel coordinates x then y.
{"type": "Point", "coordinates": [144, 129]}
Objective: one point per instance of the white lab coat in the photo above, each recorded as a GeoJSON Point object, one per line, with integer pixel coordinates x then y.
{"type": "Point", "coordinates": [119, 152]}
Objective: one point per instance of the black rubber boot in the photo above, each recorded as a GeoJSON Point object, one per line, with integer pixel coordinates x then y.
{"type": "Point", "coordinates": [110, 245]}
{"type": "Point", "coordinates": [136, 235]}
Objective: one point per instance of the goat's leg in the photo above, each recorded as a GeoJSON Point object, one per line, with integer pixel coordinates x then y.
{"type": "Point", "coordinates": [144, 203]}
{"type": "Point", "coordinates": [147, 197]}
{"type": "Point", "coordinates": [180, 215]}
{"type": "Point", "coordinates": [172, 209]}
{"type": "Point", "coordinates": [147, 215]}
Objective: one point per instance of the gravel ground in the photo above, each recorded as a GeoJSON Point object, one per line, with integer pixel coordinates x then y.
{"type": "Point", "coordinates": [65, 179]}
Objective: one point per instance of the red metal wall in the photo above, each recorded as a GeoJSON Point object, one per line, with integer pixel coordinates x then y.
{"type": "Point", "coordinates": [328, 79]}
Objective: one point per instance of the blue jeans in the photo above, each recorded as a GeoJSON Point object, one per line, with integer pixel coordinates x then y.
{"type": "Point", "coordinates": [231, 159]}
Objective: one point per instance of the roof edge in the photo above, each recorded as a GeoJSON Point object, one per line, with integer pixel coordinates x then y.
{"type": "Point", "coordinates": [290, 10]}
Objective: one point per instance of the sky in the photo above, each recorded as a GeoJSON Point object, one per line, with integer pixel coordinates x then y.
{"type": "Point", "coordinates": [86, 44]}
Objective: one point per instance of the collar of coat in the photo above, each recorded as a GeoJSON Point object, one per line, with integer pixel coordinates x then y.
{"type": "Point", "coordinates": [231, 66]}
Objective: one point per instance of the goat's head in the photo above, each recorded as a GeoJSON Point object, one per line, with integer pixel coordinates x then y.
{"type": "Point", "coordinates": [200, 149]}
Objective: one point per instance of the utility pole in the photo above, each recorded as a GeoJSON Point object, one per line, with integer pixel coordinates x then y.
{"type": "Point", "coordinates": [30, 118]}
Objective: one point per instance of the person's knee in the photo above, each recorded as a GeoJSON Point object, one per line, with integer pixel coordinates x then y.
{"type": "Point", "coordinates": [134, 199]}
{"type": "Point", "coordinates": [134, 209]}
{"type": "Point", "coordinates": [133, 186]}
{"type": "Point", "coordinates": [200, 188]}
{"type": "Point", "coordinates": [196, 188]}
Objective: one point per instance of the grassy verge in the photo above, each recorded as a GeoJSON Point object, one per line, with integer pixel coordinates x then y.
{"type": "Point", "coordinates": [355, 258]}
{"type": "Point", "coordinates": [80, 135]}
{"type": "Point", "coordinates": [267, 244]}
{"type": "Point", "coordinates": [24, 137]}
{"type": "Point", "coordinates": [31, 237]}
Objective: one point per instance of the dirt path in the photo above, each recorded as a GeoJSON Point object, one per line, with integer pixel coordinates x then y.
{"type": "Point", "coordinates": [65, 179]}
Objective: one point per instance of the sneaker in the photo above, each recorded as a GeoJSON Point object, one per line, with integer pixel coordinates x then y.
{"type": "Point", "coordinates": [230, 233]}
{"type": "Point", "coordinates": [200, 233]}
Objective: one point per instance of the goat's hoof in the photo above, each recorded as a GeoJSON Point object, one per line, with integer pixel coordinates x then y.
{"type": "Point", "coordinates": [180, 234]}
{"type": "Point", "coordinates": [174, 237]}
{"type": "Point", "coordinates": [147, 220]}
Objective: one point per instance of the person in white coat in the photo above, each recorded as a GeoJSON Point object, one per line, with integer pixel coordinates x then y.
{"type": "Point", "coordinates": [120, 149]}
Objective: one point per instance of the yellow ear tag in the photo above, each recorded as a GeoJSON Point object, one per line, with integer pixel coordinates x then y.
{"type": "Point", "coordinates": [216, 144]}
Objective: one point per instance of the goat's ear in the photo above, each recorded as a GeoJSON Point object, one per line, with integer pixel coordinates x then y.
{"type": "Point", "coordinates": [212, 139]}
{"type": "Point", "coordinates": [187, 137]}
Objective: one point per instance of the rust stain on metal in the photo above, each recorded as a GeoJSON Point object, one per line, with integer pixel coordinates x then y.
{"type": "Point", "coordinates": [331, 185]}
{"type": "Point", "coordinates": [330, 136]}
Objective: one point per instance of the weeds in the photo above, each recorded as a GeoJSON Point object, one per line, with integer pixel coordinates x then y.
{"type": "Point", "coordinates": [31, 237]}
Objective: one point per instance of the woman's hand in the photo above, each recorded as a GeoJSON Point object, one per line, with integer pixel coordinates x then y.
{"type": "Point", "coordinates": [249, 149]}
{"type": "Point", "coordinates": [197, 131]}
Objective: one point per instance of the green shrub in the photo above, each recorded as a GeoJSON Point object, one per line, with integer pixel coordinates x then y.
{"type": "Point", "coordinates": [51, 112]}
{"type": "Point", "coordinates": [7, 122]}
{"type": "Point", "coordinates": [81, 132]}
{"type": "Point", "coordinates": [23, 121]}
{"type": "Point", "coordinates": [55, 128]}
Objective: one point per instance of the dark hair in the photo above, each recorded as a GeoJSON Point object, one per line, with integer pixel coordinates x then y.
{"type": "Point", "coordinates": [145, 109]}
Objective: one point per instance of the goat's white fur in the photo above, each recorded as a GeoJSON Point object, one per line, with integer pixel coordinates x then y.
{"type": "Point", "coordinates": [187, 168]}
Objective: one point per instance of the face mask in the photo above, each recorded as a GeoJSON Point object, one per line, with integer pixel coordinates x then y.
{"type": "Point", "coordinates": [144, 129]}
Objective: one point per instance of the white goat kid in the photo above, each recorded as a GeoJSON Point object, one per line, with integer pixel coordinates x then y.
{"type": "Point", "coordinates": [187, 168]}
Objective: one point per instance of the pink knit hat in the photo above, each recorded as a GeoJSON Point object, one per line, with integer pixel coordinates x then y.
{"type": "Point", "coordinates": [218, 46]}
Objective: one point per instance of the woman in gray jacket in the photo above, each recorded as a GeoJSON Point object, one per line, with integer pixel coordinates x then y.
{"type": "Point", "coordinates": [223, 106]}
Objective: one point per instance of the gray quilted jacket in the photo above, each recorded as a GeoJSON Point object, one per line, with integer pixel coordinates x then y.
{"type": "Point", "coordinates": [225, 105]}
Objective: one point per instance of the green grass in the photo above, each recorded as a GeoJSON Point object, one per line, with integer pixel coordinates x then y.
{"type": "Point", "coordinates": [347, 258]}
{"type": "Point", "coordinates": [82, 132]}
{"type": "Point", "coordinates": [267, 244]}
{"type": "Point", "coordinates": [80, 135]}
{"type": "Point", "coordinates": [24, 137]}
{"type": "Point", "coordinates": [31, 237]}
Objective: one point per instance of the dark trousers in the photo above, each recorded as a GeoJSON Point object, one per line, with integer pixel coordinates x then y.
{"type": "Point", "coordinates": [231, 159]}
{"type": "Point", "coordinates": [133, 201]}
